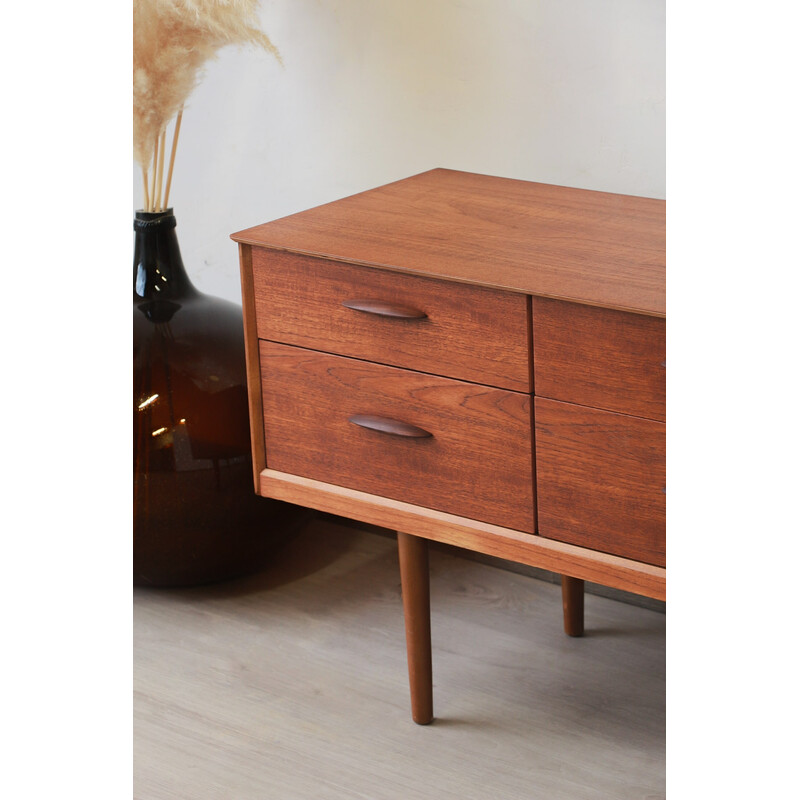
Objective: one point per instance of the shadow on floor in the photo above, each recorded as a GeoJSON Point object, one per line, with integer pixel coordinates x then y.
{"type": "Point", "coordinates": [318, 543]}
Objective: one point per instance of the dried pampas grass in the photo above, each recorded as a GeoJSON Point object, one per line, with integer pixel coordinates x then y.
{"type": "Point", "coordinates": [172, 41]}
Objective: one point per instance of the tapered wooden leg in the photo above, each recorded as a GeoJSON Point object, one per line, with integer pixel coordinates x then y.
{"type": "Point", "coordinates": [572, 600]}
{"type": "Point", "coordinates": [415, 581]}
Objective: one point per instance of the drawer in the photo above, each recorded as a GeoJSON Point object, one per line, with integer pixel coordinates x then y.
{"type": "Point", "coordinates": [453, 329]}
{"type": "Point", "coordinates": [319, 417]}
{"type": "Point", "coordinates": [599, 357]}
{"type": "Point", "coordinates": [600, 480]}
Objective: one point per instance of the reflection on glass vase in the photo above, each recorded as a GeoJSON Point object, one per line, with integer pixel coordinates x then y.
{"type": "Point", "coordinates": [197, 518]}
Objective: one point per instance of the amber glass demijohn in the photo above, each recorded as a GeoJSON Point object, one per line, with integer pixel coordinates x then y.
{"type": "Point", "coordinates": [197, 518]}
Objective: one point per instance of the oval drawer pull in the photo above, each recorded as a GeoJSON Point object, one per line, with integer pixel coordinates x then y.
{"type": "Point", "coordinates": [391, 426]}
{"type": "Point", "coordinates": [381, 308]}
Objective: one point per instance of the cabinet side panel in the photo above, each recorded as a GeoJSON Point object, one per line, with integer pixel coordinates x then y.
{"type": "Point", "coordinates": [253, 364]}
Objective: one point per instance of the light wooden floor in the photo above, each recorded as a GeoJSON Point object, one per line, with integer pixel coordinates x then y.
{"type": "Point", "coordinates": [292, 685]}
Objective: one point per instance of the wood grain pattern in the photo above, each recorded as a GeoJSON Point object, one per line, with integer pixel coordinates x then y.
{"type": "Point", "coordinates": [468, 332]}
{"type": "Point", "coordinates": [600, 480]}
{"type": "Point", "coordinates": [600, 357]}
{"type": "Point", "coordinates": [252, 364]}
{"type": "Point", "coordinates": [415, 581]}
{"type": "Point", "coordinates": [535, 551]}
{"type": "Point", "coordinates": [477, 462]}
{"type": "Point", "coordinates": [590, 247]}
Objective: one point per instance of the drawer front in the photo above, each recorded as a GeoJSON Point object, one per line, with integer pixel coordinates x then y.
{"type": "Point", "coordinates": [599, 357]}
{"type": "Point", "coordinates": [451, 329]}
{"type": "Point", "coordinates": [476, 462]}
{"type": "Point", "coordinates": [600, 480]}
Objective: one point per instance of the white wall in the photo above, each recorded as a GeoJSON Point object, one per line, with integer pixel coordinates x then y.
{"type": "Point", "coordinates": [559, 91]}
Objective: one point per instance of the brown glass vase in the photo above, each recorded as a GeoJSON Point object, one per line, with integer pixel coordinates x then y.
{"type": "Point", "coordinates": [197, 518]}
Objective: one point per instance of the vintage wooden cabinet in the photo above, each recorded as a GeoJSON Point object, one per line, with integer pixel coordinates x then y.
{"type": "Point", "coordinates": [474, 360]}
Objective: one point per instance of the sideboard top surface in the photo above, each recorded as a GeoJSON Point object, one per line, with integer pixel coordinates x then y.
{"type": "Point", "coordinates": [554, 241]}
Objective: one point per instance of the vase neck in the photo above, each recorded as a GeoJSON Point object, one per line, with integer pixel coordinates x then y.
{"type": "Point", "coordinates": [158, 271]}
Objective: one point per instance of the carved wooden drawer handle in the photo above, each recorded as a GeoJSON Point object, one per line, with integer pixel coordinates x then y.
{"type": "Point", "coordinates": [383, 309]}
{"type": "Point", "coordinates": [391, 426]}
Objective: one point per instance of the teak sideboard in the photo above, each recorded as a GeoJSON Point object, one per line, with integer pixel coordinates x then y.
{"type": "Point", "coordinates": [474, 360]}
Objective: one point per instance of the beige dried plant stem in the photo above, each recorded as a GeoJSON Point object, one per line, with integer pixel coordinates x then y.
{"type": "Point", "coordinates": [175, 135]}
{"type": "Point", "coordinates": [160, 181]}
{"type": "Point", "coordinates": [153, 177]}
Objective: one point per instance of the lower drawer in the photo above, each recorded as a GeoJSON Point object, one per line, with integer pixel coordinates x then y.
{"type": "Point", "coordinates": [600, 480]}
{"type": "Point", "coordinates": [362, 425]}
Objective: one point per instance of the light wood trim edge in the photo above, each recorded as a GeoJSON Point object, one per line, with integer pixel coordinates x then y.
{"type": "Point", "coordinates": [481, 537]}
{"type": "Point", "coordinates": [253, 364]}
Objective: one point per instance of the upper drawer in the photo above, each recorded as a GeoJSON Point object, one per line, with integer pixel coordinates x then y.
{"type": "Point", "coordinates": [599, 357]}
{"type": "Point", "coordinates": [444, 328]}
